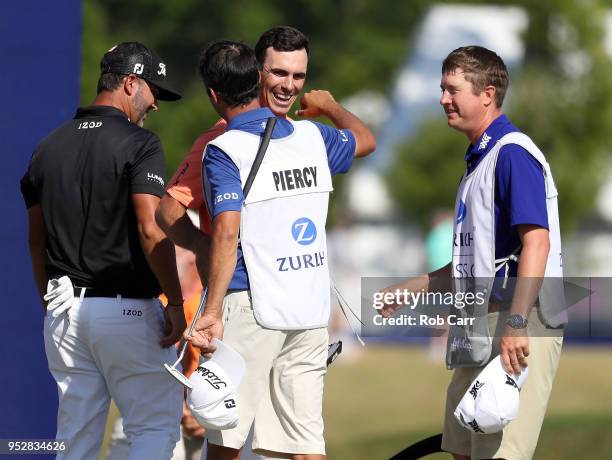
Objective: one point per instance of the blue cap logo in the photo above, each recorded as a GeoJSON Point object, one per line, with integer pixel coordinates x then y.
{"type": "Point", "coordinates": [304, 231]}
{"type": "Point", "coordinates": [461, 212]}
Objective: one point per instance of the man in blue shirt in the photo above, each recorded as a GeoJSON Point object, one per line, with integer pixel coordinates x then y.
{"type": "Point", "coordinates": [506, 225]}
{"type": "Point", "coordinates": [268, 297]}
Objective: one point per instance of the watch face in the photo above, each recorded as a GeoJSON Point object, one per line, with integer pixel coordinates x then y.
{"type": "Point", "coordinates": [516, 322]}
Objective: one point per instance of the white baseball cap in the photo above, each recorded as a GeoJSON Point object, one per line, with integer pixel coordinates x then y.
{"type": "Point", "coordinates": [492, 400]}
{"type": "Point", "coordinates": [212, 399]}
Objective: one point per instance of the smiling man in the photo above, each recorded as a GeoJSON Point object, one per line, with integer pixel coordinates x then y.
{"type": "Point", "coordinates": [507, 226]}
{"type": "Point", "coordinates": [91, 190]}
{"type": "Point", "coordinates": [282, 54]}
{"type": "Point", "coordinates": [510, 218]}
{"type": "Point", "coordinates": [269, 293]}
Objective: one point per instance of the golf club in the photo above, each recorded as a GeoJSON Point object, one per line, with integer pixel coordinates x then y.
{"type": "Point", "coordinates": [174, 372]}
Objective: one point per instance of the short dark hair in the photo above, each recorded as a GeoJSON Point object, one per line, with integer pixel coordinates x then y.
{"type": "Point", "coordinates": [109, 81]}
{"type": "Point", "coordinates": [231, 70]}
{"type": "Point", "coordinates": [281, 38]}
{"type": "Point", "coordinates": [481, 67]}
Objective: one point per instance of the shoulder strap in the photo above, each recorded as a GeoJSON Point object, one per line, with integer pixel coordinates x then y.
{"type": "Point", "coordinates": [263, 146]}
{"type": "Point", "coordinates": [525, 142]}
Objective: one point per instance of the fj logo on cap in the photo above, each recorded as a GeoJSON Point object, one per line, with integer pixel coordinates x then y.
{"type": "Point", "coordinates": [230, 403]}
{"type": "Point", "coordinates": [138, 68]}
{"type": "Point", "coordinates": [162, 69]}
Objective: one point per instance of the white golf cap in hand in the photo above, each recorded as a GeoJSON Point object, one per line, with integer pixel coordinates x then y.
{"type": "Point", "coordinates": [212, 399]}
{"type": "Point", "coordinates": [492, 399]}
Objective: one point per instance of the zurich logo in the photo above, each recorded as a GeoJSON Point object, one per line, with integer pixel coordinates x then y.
{"type": "Point", "coordinates": [461, 212]}
{"type": "Point", "coordinates": [304, 231]}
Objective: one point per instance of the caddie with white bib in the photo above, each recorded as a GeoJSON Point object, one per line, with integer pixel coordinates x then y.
{"type": "Point", "coordinates": [475, 263]}
{"type": "Point", "coordinates": [288, 274]}
{"type": "Point", "coordinates": [267, 183]}
{"type": "Point", "coordinates": [506, 241]}
{"type": "Point", "coordinates": [506, 258]}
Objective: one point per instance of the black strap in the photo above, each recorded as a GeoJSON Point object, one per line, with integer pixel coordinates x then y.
{"type": "Point", "coordinates": [263, 146]}
{"type": "Point", "coordinates": [420, 449]}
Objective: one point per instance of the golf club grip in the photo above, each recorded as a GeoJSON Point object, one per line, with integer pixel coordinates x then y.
{"type": "Point", "coordinates": [181, 352]}
{"type": "Point", "coordinates": [198, 312]}
{"type": "Point", "coordinates": [263, 146]}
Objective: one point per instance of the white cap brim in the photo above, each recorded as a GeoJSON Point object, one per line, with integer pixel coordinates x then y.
{"type": "Point", "coordinates": [229, 360]}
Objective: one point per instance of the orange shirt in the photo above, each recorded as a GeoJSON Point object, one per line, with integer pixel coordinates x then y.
{"type": "Point", "coordinates": [192, 354]}
{"type": "Point", "coordinates": [185, 186]}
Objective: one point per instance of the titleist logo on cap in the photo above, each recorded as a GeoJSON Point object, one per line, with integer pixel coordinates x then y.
{"type": "Point", "coordinates": [209, 376]}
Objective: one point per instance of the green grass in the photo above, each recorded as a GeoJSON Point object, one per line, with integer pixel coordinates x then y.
{"type": "Point", "coordinates": [385, 398]}
{"type": "Point", "coordinates": [578, 437]}
{"type": "Point", "coordinates": [390, 397]}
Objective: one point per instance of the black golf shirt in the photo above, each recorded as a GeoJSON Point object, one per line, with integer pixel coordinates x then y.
{"type": "Point", "coordinates": [83, 175]}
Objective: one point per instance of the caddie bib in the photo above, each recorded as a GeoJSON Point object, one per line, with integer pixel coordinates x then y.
{"type": "Point", "coordinates": [474, 263]}
{"type": "Point", "coordinates": [282, 226]}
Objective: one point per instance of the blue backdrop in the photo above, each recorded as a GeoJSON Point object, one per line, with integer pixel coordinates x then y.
{"type": "Point", "coordinates": [40, 45]}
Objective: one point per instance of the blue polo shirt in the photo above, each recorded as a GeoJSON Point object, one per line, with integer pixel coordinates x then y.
{"type": "Point", "coordinates": [520, 192]}
{"type": "Point", "coordinates": [221, 177]}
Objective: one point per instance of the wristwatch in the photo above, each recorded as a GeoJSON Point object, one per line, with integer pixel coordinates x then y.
{"type": "Point", "coordinates": [517, 321]}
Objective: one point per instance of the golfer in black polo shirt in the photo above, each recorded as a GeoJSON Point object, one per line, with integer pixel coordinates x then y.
{"type": "Point", "coordinates": [91, 190]}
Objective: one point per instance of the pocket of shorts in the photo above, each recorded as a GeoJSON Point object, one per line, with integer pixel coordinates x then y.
{"type": "Point", "coordinates": [231, 309]}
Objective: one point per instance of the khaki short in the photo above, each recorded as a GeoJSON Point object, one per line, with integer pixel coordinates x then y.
{"type": "Point", "coordinates": [282, 390]}
{"type": "Point", "coordinates": [519, 439]}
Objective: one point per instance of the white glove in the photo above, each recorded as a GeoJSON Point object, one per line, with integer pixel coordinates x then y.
{"type": "Point", "coordinates": [60, 295]}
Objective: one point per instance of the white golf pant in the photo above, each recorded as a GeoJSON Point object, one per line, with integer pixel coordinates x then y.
{"type": "Point", "coordinates": [105, 348]}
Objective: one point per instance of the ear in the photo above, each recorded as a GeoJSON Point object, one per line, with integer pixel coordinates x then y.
{"type": "Point", "coordinates": [489, 95]}
{"type": "Point", "coordinates": [130, 85]}
{"type": "Point", "coordinates": [212, 94]}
